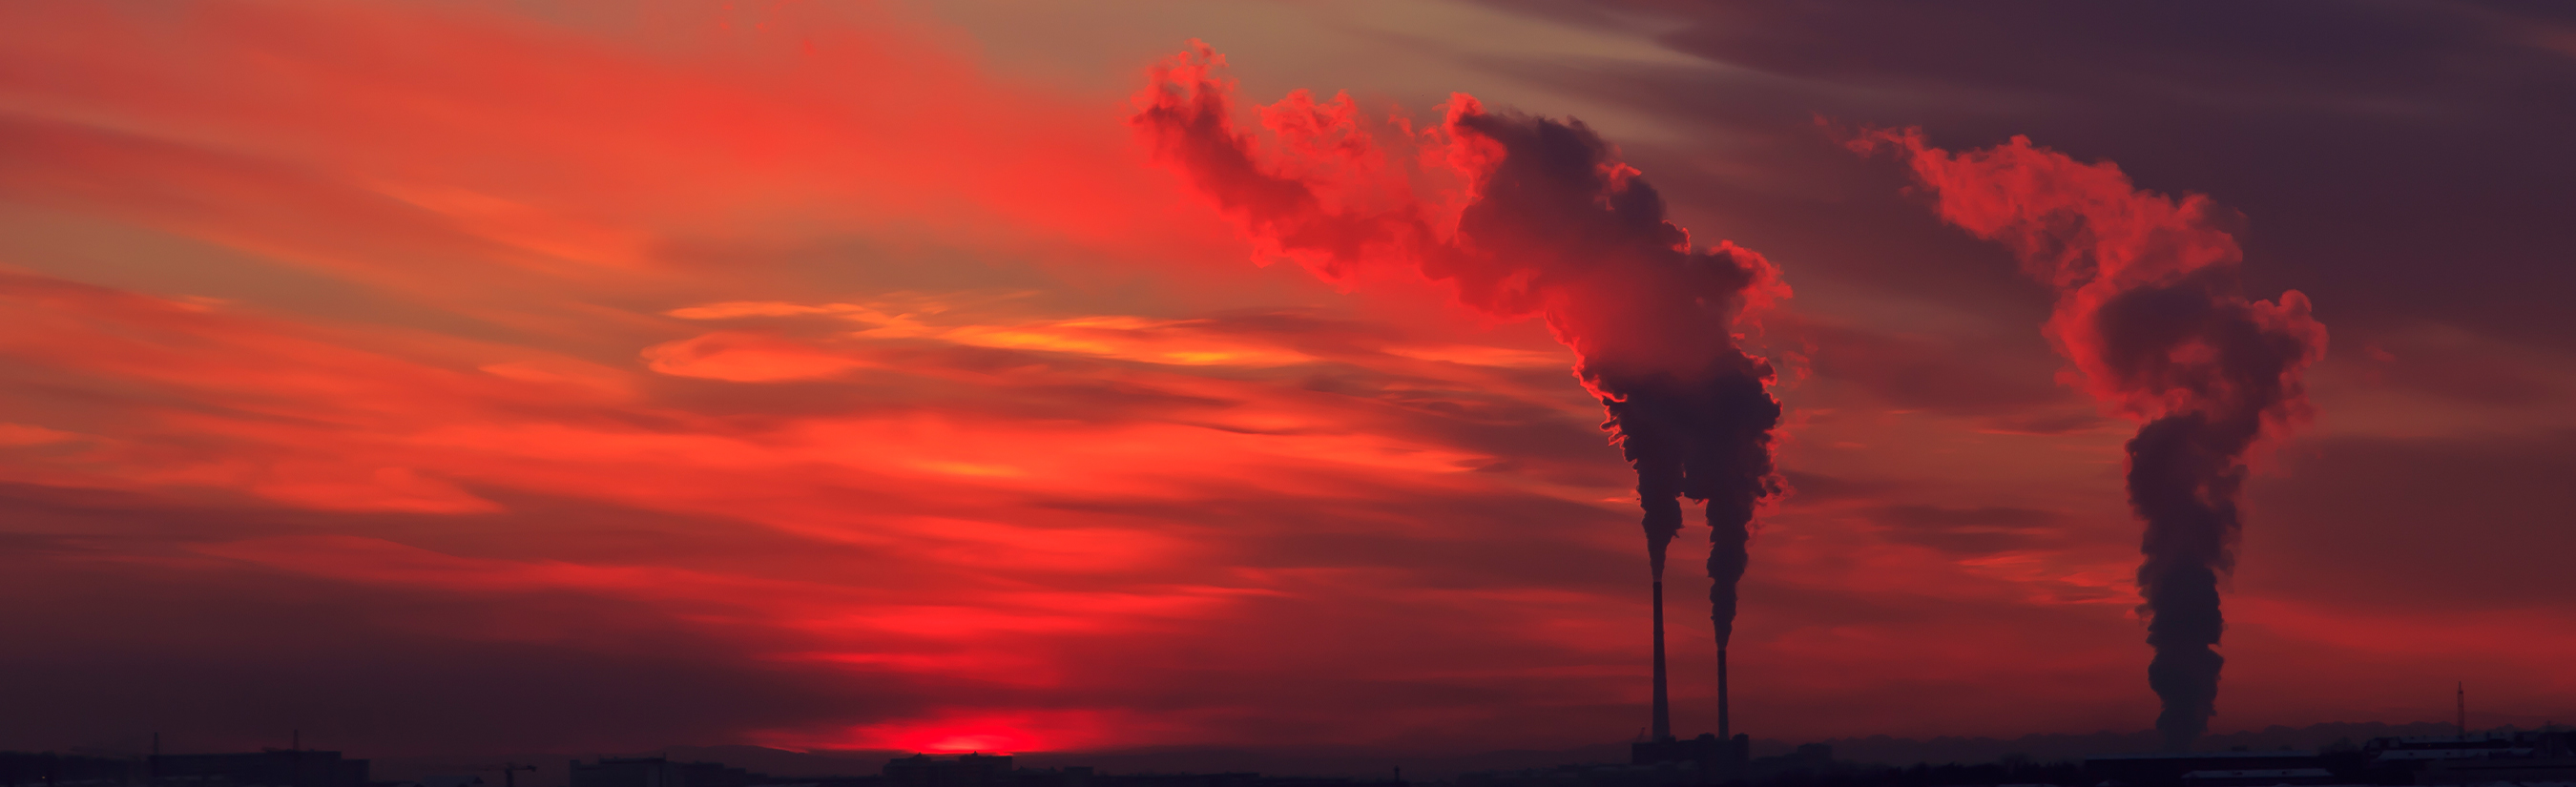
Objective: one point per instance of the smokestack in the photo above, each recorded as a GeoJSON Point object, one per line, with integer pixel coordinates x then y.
{"type": "Point", "coordinates": [1659, 490]}
{"type": "Point", "coordinates": [1545, 221]}
{"type": "Point", "coordinates": [2151, 312]}
{"type": "Point", "coordinates": [1725, 731]}
{"type": "Point", "coordinates": [1663, 701]}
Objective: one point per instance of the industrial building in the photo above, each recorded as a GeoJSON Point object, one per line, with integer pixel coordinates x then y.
{"type": "Point", "coordinates": [2476, 758]}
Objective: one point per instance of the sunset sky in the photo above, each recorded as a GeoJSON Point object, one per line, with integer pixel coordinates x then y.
{"type": "Point", "coordinates": [578, 375]}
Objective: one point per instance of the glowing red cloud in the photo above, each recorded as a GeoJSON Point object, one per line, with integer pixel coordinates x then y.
{"type": "Point", "coordinates": [1331, 198]}
{"type": "Point", "coordinates": [551, 153]}
{"type": "Point", "coordinates": [2086, 231]}
{"type": "Point", "coordinates": [2152, 313]}
{"type": "Point", "coordinates": [1525, 217]}
{"type": "Point", "coordinates": [460, 323]}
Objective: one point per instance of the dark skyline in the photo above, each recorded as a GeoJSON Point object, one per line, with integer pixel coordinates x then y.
{"type": "Point", "coordinates": [2424, 753]}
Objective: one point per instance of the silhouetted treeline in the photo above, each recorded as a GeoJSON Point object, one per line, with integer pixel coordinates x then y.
{"type": "Point", "coordinates": [1906, 751]}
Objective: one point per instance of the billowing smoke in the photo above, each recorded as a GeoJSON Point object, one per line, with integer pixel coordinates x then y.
{"type": "Point", "coordinates": [2151, 312]}
{"type": "Point", "coordinates": [1526, 217]}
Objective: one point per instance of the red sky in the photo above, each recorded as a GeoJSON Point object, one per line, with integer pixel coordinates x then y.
{"type": "Point", "coordinates": [599, 376]}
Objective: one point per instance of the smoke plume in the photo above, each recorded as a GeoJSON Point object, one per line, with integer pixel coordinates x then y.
{"type": "Point", "coordinates": [1526, 217]}
{"type": "Point", "coordinates": [2151, 313]}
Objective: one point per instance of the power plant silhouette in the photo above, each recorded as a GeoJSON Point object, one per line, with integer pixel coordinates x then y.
{"type": "Point", "coordinates": [1720, 754]}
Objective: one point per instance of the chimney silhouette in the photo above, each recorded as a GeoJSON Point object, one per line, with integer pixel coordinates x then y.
{"type": "Point", "coordinates": [1663, 701]}
{"type": "Point", "coordinates": [1724, 733]}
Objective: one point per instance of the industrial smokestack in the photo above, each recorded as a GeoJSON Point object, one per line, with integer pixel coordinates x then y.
{"type": "Point", "coordinates": [1545, 221]}
{"type": "Point", "coordinates": [1710, 438]}
{"type": "Point", "coordinates": [1725, 727]}
{"type": "Point", "coordinates": [1663, 700]}
{"type": "Point", "coordinates": [2151, 312]}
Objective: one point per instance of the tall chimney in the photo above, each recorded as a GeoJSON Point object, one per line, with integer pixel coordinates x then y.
{"type": "Point", "coordinates": [1663, 702]}
{"type": "Point", "coordinates": [1723, 732]}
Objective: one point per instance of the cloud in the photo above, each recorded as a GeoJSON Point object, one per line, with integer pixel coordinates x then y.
{"type": "Point", "coordinates": [1971, 531]}
{"type": "Point", "coordinates": [746, 357]}
{"type": "Point", "coordinates": [477, 379]}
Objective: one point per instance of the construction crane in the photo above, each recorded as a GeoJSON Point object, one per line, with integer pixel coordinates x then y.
{"type": "Point", "coordinates": [510, 773]}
